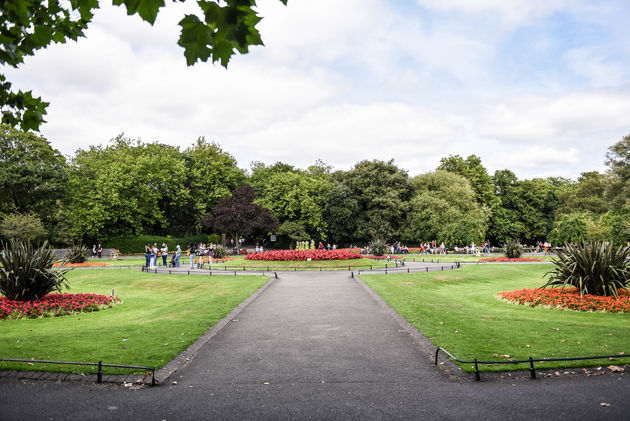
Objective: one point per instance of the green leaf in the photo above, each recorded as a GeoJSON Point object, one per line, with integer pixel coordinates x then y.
{"type": "Point", "coordinates": [147, 9]}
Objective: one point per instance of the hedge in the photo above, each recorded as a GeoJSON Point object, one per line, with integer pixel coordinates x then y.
{"type": "Point", "coordinates": [135, 245]}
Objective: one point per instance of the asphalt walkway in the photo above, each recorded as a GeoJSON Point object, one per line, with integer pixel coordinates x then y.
{"type": "Point", "coordinates": [317, 345]}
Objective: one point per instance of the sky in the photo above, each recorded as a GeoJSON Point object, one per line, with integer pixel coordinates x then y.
{"type": "Point", "coordinates": [541, 87]}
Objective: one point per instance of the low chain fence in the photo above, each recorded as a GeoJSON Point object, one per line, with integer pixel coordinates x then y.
{"type": "Point", "coordinates": [99, 365]}
{"type": "Point", "coordinates": [530, 361]}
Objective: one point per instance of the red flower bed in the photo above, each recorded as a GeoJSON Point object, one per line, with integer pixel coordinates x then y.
{"type": "Point", "coordinates": [300, 255]}
{"type": "Point", "coordinates": [508, 259]}
{"type": "Point", "coordinates": [569, 299]}
{"type": "Point", "coordinates": [55, 305]}
{"type": "Point", "coordinates": [82, 265]}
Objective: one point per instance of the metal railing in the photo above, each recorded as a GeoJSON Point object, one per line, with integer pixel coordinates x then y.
{"type": "Point", "coordinates": [531, 361]}
{"type": "Point", "coordinates": [100, 365]}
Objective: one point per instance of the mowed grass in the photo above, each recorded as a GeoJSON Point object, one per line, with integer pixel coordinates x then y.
{"type": "Point", "coordinates": [458, 310]}
{"type": "Point", "coordinates": [160, 316]}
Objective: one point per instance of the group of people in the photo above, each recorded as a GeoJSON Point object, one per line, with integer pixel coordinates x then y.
{"type": "Point", "coordinates": [201, 250]}
{"type": "Point", "coordinates": [97, 251]}
{"type": "Point", "coordinates": [433, 248]}
{"type": "Point", "coordinates": [152, 252]}
{"type": "Point", "coordinates": [327, 246]}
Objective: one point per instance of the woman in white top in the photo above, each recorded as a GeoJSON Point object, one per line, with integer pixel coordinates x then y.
{"type": "Point", "coordinates": [164, 251]}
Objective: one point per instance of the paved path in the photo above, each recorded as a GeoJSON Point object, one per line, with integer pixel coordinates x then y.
{"type": "Point", "coordinates": [317, 346]}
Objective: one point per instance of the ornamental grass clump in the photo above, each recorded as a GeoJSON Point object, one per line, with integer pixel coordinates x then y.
{"type": "Point", "coordinates": [78, 253]}
{"type": "Point", "coordinates": [596, 269]}
{"type": "Point", "coordinates": [512, 249]}
{"type": "Point", "coordinates": [26, 272]}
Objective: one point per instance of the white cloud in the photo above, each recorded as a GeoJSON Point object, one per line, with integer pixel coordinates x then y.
{"type": "Point", "coordinates": [515, 12]}
{"type": "Point", "coordinates": [560, 119]}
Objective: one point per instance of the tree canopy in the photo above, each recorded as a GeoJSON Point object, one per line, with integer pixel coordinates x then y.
{"type": "Point", "coordinates": [27, 26]}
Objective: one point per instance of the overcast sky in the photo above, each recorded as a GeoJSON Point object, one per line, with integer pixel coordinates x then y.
{"type": "Point", "coordinates": [541, 87]}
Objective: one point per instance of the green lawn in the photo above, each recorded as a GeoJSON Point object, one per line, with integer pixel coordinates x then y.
{"type": "Point", "coordinates": [458, 310]}
{"type": "Point", "coordinates": [161, 315]}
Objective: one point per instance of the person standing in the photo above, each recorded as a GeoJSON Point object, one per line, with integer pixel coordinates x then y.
{"type": "Point", "coordinates": [178, 253]}
{"type": "Point", "coordinates": [154, 253]}
{"type": "Point", "coordinates": [147, 254]}
{"type": "Point", "coordinates": [94, 250]}
{"type": "Point", "coordinates": [191, 252]}
{"type": "Point", "coordinates": [99, 250]}
{"type": "Point", "coordinates": [164, 251]}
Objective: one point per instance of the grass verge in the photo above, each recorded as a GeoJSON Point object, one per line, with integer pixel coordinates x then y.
{"type": "Point", "coordinates": [160, 316]}
{"type": "Point", "coordinates": [458, 310]}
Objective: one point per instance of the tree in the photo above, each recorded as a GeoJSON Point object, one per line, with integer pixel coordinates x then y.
{"type": "Point", "coordinates": [618, 161]}
{"type": "Point", "coordinates": [472, 169]}
{"type": "Point", "coordinates": [27, 26]}
{"type": "Point", "coordinates": [586, 195]}
{"type": "Point", "coordinates": [211, 175]}
{"type": "Point", "coordinates": [239, 216]}
{"type": "Point", "coordinates": [25, 228]}
{"type": "Point", "coordinates": [444, 208]}
{"type": "Point", "coordinates": [340, 213]}
{"type": "Point", "coordinates": [32, 172]}
{"type": "Point", "coordinates": [295, 195]}
{"type": "Point", "coordinates": [128, 187]}
{"type": "Point", "coordinates": [569, 228]}
{"type": "Point", "coordinates": [382, 192]}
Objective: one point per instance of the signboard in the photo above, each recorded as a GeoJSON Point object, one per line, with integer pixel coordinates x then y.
{"type": "Point", "coordinates": [272, 237]}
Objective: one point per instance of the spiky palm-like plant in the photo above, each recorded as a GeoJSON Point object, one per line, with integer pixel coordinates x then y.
{"type": "Point", "coordinates": [78, 253]}
{"type": "Point", "coordinates": [26, 272]}
{"type": "Point", "coordinates": [378, 246]}
{"type": "Point", "coordinates": [219, 251]}
{"type": "Point", "coordinates": [512, 249]}
{"type": "Point", "coordinates": [595, 268]}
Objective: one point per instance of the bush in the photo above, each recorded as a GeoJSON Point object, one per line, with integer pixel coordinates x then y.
{"type": "Point", "coordinates": [78, 253]}
{"type": "Point", "coordinates": [26, 273]}
{"type": "Point", "coordinates": [378, 246]}
{"type": "Point", "coordinates": [512, 249]}
{"type": "Point", "coordinates": [219, 251]}
{"type": "Point", "coordinates": [25, 227]}
{"type": "Point", "coordinates": [595, 269]}
{"type": "Point", "coordinates": [135, 245]}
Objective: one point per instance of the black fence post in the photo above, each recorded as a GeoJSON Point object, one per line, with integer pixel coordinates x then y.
{"type": "Point", "coordinates": [532, 372]}
{"type": "Point", "coordinates": [99, 375]}
{"type": "Point", "coordinates": [477, 377]}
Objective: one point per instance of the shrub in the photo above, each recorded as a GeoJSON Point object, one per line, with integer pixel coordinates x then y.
{"type": "Point", "coordinates": [512, 249]}
{"type": "Point", "coordinates": [25, 227]}
{"type": "Point", "coordinates": [130, 245]}
{"type": "Point", "coordinates": [219, 251]}
{"type": "Point", "coordinates": [596, 269]}
{"type": "Point", "coordinates": [26, 273]}
{"type": "Point", "coordinates": [78, 253]}
{"type": "Point", "coordinates": [378, 246]}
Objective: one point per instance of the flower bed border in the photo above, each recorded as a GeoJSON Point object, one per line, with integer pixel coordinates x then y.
{"type": "Point", "coordinates": [303, 255]}
{"type": "Point", "coordinates": [54, 305]}
{"type": "Point", "coordinates": [510, 259]}
{"type": "Point", "coordinates": [567, 299]}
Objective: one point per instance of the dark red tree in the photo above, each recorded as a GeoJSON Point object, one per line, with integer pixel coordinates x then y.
{"type": "Point", "coordinates": [238, 215]}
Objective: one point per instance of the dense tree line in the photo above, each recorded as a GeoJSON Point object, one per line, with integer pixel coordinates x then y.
{"type": "Point", "coordinates": [130, 187]}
